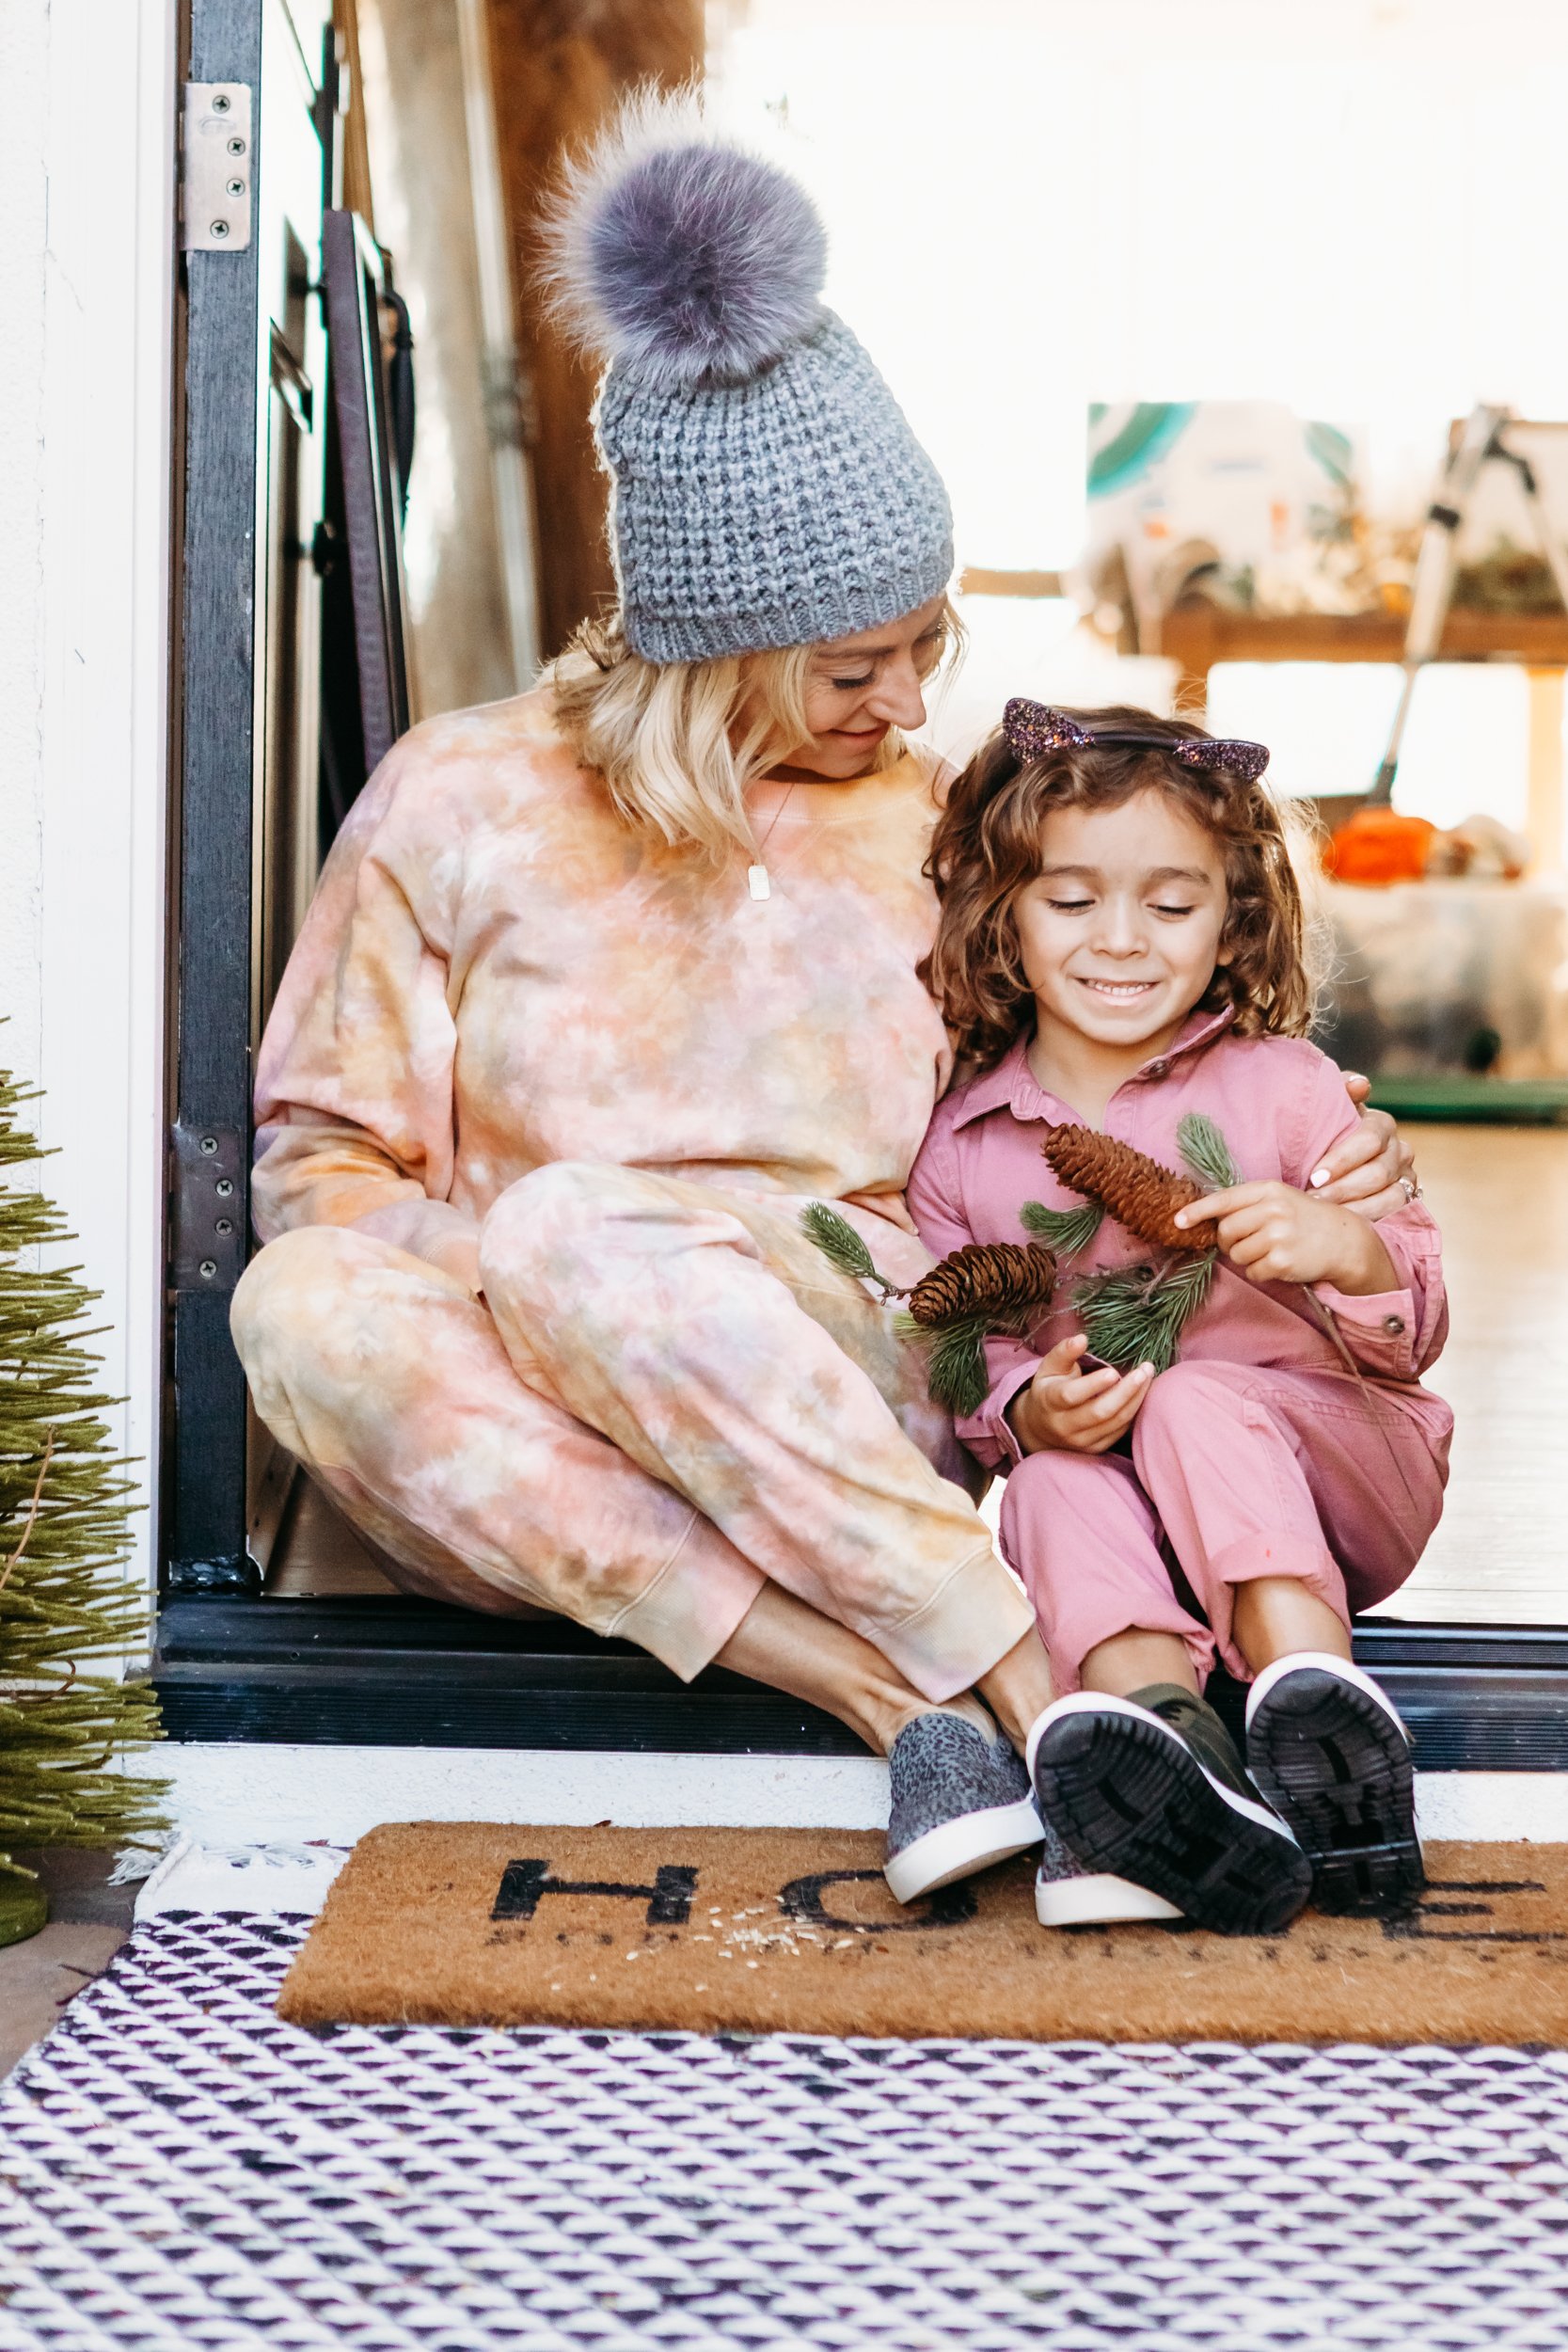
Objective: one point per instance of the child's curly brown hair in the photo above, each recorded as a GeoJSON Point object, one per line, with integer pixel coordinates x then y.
{"type": "Point", "coordinates": [987, 846]}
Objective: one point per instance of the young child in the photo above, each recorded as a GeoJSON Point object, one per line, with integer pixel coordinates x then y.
{"type": "Point", "coordinates": [1122, 942]}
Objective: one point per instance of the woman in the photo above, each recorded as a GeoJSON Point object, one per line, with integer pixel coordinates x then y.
{"type": "Point", "coordinates": [599, 987]}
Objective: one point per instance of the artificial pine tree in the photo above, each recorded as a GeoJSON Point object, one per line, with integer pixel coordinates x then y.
{"type": "Point", "coordinates": [64, 1510]}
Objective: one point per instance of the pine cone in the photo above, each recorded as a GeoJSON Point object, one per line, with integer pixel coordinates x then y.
{"type": "Point", "coordinates": [1135, 1190]}
{"type": "Point", "coordinates": [1007, 1281]}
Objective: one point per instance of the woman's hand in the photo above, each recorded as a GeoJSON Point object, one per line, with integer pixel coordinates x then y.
{"type": "Point", "coordinates": [1371, 1167]}
{"type": "Point", "coordinates": [1066, 1412]}
{"type": "Point", "coordinates": [1274, 1233]}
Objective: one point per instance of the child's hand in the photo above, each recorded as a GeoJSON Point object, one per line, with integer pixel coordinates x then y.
{"type": "Point", "coordinates": [1274, 1233]}
{"type": "Point", "coordinates": [1066, 1412]}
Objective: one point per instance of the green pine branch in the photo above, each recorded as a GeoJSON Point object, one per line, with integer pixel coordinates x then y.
{"type": "Point", "coordinates": [956, 1364]}
{"type": "Point", "coordinates": [1205, 1152]}
{"type": "Point", "coordinates": [843, 1246]}
{"type": "Point", "coordinates": [1135, 1315]}
{"type": "Point", "coordinates": [1068, 1232]}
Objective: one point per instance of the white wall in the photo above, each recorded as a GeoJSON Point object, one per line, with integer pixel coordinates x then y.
{"type": "Point", "coordinates": [87, 158]}
{"type": "Point", "coordinates": [23, 80]}
{"type": "Point", "coordinates": [1353, 206]}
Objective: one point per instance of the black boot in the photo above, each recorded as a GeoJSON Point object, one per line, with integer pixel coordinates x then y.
{"type": "Point", "coordinates": [1328, 1750]}
{"type": "Point", "coordinates": [1151, 1787]}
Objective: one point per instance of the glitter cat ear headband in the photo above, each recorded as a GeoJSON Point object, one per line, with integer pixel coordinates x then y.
{"type": "Point", "coordinates": [1032, 729]}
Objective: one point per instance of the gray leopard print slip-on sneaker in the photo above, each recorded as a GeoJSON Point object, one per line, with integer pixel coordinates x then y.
{"type": "Point", "coordinates": [960, 1801]}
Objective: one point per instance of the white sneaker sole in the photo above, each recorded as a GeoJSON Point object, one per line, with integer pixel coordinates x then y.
{"type": "Point", "coordinates": [957, 1849]}
{"type": "Point", "coordinates": [1096, 1898]}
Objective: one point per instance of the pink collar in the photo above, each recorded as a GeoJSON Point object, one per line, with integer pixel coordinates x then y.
{"type": "Point", "coordinates": [1011, 1084]}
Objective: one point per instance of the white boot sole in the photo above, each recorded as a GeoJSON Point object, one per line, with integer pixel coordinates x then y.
{"type": "Point", "coordinates": [957, 1849]}
{"type": "Point", "coordinates": [1129, 1798]}
{"type": "Point", "coordinates": [1096, 1898]}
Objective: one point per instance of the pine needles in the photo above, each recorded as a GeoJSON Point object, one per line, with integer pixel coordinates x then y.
{"type": "Point", "coordinates": [1132, 1314]}
{"type": "Point", "coordinates": [1206, 1151]}
{"type": "Point", "coordinates": [1068, 1232]}
{"type": "Point", "coordinates": [955, 1363]}
{"type": "Point", "coordinates": [978, 1290]}
{"type": "Point", "coordinates": [64, 1507]}
{"type": "Point", "coordinates": [843, 1246]}
{"type": "Point", "coordinates": [1135, 1315]}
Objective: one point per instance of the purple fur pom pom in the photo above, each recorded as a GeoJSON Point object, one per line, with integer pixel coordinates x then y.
{"type": "Point", "coordinates": [685, 260]}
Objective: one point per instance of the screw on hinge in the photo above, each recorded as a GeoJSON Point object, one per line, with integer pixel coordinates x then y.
{"type": "Point", "coordinates": [209, 1267]}
{"type": "Point", "coordinates": [209, 1145]}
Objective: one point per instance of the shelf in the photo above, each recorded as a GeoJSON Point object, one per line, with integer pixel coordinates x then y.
{"type": "Point", "coordinates": [1505, 1101]}
{"type": "Point", "coordinates": [1196, 636]}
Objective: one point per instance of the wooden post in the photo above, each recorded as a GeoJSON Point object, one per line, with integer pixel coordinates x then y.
{"type": "Point", "coordinates": [561, 68]}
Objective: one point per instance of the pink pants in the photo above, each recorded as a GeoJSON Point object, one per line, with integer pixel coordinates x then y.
{"type": "Point", "coordinates": [1236, 1472]}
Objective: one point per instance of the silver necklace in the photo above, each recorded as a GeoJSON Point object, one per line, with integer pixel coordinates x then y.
{"type": "Point", "coordinates": [757, 876]}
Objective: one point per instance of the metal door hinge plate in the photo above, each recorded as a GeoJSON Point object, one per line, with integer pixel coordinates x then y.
{"type": "Point", "coordinates": [209, 1209]}
{"type": "Point", "coordinates": [218, 168]}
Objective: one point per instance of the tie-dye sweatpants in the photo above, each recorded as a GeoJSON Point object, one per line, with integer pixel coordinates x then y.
{"type": "Point", "coordinates": [664, 1398]}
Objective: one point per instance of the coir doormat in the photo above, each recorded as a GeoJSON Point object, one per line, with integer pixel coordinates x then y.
{"type": "Point", "coordinates": [793, 1930]}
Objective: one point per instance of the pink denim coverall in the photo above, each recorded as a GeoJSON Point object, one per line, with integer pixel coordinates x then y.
{"type": "Point", "coordinates": [1259, 1452]}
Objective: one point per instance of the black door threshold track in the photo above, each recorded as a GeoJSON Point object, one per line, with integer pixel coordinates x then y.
{"type": "Point", "coordinates": [410, 1673]}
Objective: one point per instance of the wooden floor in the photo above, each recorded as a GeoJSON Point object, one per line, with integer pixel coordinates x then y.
{"type": "Point", "coordinates": [1500, 1556]}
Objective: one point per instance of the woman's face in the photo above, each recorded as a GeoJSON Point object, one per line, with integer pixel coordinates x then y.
{"type": "Point", "coordinates": [859, 687]}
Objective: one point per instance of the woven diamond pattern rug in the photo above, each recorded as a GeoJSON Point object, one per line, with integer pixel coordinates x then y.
{"type": "Point", "coordinates": [179, 2168]}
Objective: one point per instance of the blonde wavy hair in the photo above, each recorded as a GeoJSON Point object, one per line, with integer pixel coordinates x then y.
{"type": "Point", "coordinates": [678, 742]}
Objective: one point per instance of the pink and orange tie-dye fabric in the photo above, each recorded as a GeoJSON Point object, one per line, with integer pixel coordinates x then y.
{"type": "Point", "coordinates": [497, 973]}
{"type": "Point", "coordinates": [522, 1051]}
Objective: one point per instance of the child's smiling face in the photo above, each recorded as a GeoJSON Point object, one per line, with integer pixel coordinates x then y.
{"type": "Point", "coordinates": [1120, 929]}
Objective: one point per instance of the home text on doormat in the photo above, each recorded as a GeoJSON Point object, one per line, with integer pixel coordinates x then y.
{"type": "Point", "coordinates": [793, 1930]}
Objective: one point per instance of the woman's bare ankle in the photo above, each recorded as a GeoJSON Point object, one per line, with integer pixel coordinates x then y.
{"type": "Point", "coordinates": [1017, 1689]}
{"type": "Point", "coordinates": [964, 1704]}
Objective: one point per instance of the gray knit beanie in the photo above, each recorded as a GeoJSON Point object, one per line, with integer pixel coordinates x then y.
{"type": "Point", "coordinates": [766, 490]}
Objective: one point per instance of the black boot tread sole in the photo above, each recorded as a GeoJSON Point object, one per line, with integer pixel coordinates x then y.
{"type": "Point", "coordinates": [1335, 1766]}
{"type": "Point", "coordinates": [1131, 1798]}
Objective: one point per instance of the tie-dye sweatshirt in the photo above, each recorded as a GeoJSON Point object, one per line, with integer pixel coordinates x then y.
{"type": "Point", "coordinates": [497, 973]}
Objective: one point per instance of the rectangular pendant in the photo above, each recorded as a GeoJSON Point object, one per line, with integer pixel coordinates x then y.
{"type": "Point", "coordinates": [757, 882]}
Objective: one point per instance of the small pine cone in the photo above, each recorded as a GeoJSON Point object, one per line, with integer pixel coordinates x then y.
{"type": "Point", "coordinates": [1140, 1193]}
{"type": "Point", "coordinates": [1008, 1280]}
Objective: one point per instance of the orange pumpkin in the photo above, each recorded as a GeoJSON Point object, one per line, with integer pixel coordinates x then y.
{"type": "Point", "coordinates": [1379, 845]}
